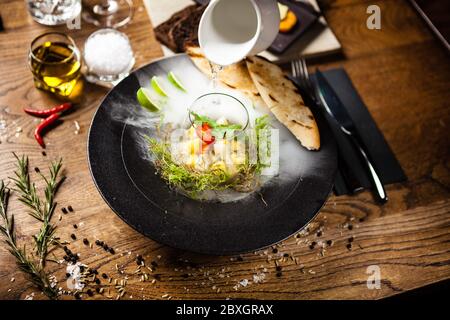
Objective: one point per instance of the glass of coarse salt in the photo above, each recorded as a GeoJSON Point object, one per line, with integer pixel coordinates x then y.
{"type": "Point", "coordinates": [108, 57]}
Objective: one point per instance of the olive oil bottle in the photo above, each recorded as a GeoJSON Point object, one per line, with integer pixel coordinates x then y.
{"type": "Point", "coordinates": [55, 64]}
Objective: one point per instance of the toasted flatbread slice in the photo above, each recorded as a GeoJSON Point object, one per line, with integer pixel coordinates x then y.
{"type": "Point", "coordinates": [284, 100]}
{"type": "Point", "coordinates": [234, 76]}
{"type": "Point", "coordinates": [197, 56]}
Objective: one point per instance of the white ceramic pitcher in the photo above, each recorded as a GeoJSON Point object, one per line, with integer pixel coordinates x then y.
{"type": "Point", "coordinates": [230, 30]}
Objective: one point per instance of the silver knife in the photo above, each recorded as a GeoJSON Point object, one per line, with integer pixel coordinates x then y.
{"type": "Point", "coordinates": [336, 109]}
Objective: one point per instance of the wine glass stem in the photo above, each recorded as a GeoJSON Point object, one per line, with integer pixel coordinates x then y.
{"type": "Point", "coordinates": [106, 7]}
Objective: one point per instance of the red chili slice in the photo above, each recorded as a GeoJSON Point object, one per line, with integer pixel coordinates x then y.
{"type": "Point", "coordinates": [206, 134]}
{"type": "Point", "coordinates": [206, 145]}
{"type": "Point", "coordinates": [44, 124]}
{"type": "Point", "coordinates": [47, 112]}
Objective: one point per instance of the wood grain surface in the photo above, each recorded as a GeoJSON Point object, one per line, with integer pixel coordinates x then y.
{"type": "Point", "coordinates": [403, 75]}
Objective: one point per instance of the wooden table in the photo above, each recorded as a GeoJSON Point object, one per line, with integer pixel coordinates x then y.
{"type": "Point", "coordinates": [402, 74]}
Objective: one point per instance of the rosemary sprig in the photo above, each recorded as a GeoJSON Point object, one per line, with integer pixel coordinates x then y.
{"type": "Point", "coordinates": [25, 264]}
{"type": "Point", "coordinates": [45, 241]}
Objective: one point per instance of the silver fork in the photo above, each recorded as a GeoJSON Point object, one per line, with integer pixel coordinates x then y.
{"type": "Point", "coordinates": [300, 73]}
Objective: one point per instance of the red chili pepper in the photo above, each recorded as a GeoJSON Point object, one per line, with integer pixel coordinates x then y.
{"type": "Point", "coordinates": [44, 124]}
{"type": "Point", "coordinates": [205, 145]}
{"type": "Point", "coordinates": [47, 112]}
{"type": "Point", "coordinates": [205, 133]}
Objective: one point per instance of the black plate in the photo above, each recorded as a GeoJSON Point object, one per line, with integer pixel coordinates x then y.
{"type": "Point", "coordinates": [128, 183]}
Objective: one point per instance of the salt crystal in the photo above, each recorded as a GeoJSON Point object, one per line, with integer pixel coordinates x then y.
{"type": "Point", "coordinates": [259, 277]}
{"type": "Point", "coordinates": [108, 53]}
{"type": "Point", "coordinates": [77, 125]}
{"type": "Point", "coordinates": [243, 282]}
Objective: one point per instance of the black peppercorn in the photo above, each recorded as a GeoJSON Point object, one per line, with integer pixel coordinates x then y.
{"type": "Point", "coordinates": [86, 241]}
{"type": "Point", "coordinates": [104, 276]}
{"type": "Point", "coordinates": [70, 208]}
{"type": "Point", "coordinates": [74, 237]}
{"type": "Point", "coordinates": [64, 210]}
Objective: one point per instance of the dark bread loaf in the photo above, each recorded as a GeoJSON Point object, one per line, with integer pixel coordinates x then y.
{"type": "Point", "coordinates": [181, 28]}
{"type": "Point", "coordinates": [185, 31]}
{"type": "Point", "coordinates": [162, 31]}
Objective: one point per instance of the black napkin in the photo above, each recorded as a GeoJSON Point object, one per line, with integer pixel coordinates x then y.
{"type": "Point", "coordinates": [352, 174]}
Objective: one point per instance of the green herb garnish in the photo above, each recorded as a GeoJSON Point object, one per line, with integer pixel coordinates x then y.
{"type": "Point", "coordinates": [213, 124]}
{"type": "Point", "coordinates": [261, 125]}
{"type": "Point", "coordinates": [40, 209]}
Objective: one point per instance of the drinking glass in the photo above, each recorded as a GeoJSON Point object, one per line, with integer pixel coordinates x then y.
{"type": "Point", "coordinates": [108, 13]}
{"type": "Point", "coordinates": [54, 60]}
{"type": "Point", "coordinates": [216, 106]}
{"type": "Point", "coordinates": [53, 12]}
